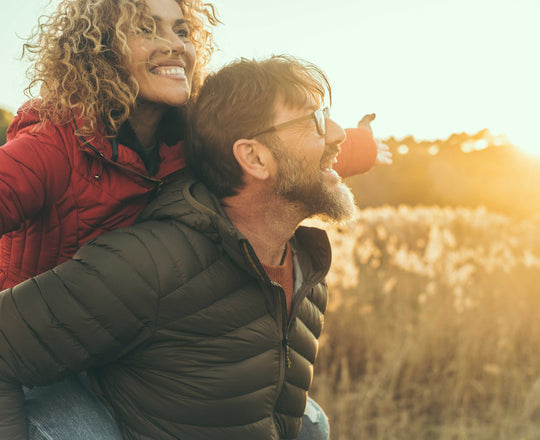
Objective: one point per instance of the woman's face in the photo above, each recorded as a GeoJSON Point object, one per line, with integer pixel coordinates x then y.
{"type": "Point", "coordinates": [163, 65]}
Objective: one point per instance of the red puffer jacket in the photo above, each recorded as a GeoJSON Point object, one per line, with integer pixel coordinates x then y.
{"type": "Point", "coordinates": [57, 191]}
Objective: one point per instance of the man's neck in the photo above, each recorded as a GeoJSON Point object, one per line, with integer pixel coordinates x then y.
{"type": "Point", "coordinates": [267, 224]}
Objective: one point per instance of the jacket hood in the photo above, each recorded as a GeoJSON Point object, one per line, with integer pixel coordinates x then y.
{"type": "Point", "coordinates": [26, 118]}
{"type": "Point", "coordinates": [189, 202]}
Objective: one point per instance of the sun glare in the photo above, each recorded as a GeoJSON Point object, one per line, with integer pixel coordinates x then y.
{"type": "Point", "coordinates": [531, 150]}
{"type": "Point", "coordinates": [528, 144]}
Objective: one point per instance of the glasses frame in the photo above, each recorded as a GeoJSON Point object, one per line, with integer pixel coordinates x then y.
{"type": "Point", "coordinates": [319, 116]}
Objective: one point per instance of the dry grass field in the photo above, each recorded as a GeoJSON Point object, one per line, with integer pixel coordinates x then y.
{"type": "Point", "coordinates": [433, 327]}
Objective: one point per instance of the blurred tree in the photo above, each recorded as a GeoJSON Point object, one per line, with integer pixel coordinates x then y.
{"type": "Point", "coordinates": [5, 119]}
{"type": "Point", "coordinates": [463, 170]}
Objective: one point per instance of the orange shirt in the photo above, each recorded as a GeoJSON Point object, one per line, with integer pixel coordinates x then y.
{"type": "Point", "coordinates": [283, 274]}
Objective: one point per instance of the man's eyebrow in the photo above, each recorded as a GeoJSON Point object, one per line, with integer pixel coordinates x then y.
{"type": "Point", "coordinates": [311, 108]}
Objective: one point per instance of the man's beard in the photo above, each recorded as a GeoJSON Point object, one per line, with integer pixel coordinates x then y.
{"type": "Point", "coordinates": [307, 190]}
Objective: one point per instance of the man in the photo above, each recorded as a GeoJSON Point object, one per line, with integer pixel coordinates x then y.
{"type": "Point", "coordinates": [201, 321]}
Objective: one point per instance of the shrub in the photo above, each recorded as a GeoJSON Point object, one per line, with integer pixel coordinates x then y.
{"type": "Point", "coordinates": [432, 331]}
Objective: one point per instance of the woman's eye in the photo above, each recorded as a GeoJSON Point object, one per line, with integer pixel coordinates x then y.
{"type": "Point", "coordinates": [146, 29]}
{"type": "Point", "coordinates": [182, 33]}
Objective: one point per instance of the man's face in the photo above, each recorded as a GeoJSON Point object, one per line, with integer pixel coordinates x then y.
{"type": "Point", "coordinates": [304, 173]}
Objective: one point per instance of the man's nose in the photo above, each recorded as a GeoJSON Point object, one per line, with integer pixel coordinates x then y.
{"type": "Point", "coordinates": [334, 132]}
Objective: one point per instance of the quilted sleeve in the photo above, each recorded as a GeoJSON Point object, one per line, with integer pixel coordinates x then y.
{"type": "Point", "coordinates": [358, 153]}
{"type": "Point", "coordinates": [34, 171]}
{"type": "Point", "coordinates": [86, 312]}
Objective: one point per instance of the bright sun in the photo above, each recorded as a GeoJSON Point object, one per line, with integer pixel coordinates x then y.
{"type": "Point", "coordinates": [526, 141]}
{"type": "Point", "coordinates": [533, 150]}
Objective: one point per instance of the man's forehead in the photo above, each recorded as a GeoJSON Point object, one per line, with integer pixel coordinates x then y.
{"type": "Point", "coordinates": [302, 100]}
{"type": "Point", "coordinates": [284, 112]}
{"type": "Point", "coordinates": [305, 105]}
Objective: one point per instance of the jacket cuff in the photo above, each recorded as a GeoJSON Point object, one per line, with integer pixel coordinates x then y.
{"type": "Point", "coordinates": [13, 425]}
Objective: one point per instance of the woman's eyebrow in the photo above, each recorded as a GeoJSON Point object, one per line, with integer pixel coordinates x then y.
{"type": "Point", "coordinates": [178, 22]}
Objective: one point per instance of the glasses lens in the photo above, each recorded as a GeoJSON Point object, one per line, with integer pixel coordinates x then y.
{"type": "Point", "coordinates": [320, 116]}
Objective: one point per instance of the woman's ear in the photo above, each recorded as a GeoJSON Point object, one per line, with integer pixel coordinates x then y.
{"type": "Point", "coordinates": [255, 158]}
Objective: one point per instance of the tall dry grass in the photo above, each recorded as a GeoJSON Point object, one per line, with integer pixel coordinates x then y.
{"type": "Point", "coordinates": [433, 327]}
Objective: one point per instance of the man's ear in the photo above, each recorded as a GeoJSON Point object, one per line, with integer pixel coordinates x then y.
{"type": "Point", "coordinates": [255, 158]}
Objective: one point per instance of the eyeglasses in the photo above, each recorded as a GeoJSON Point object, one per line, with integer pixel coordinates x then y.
{"type": "Point", "coordinates": [319, 116]}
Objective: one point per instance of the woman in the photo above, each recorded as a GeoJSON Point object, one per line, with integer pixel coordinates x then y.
{"type": "Point", "coordinates": [106, 134]}
{"type": "Point", "coordinates": [107, 131]}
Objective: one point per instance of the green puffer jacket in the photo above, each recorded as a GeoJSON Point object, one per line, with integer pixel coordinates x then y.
{"type": "Point", "coordinates": [183, 334]}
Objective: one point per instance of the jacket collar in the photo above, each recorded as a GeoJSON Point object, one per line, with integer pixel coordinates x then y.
{"type": "Point", "coordinates": [126, 149]}
{"type": "Point", "coordinates": [188, 201]}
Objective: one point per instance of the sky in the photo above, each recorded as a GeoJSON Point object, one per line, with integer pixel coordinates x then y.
{"type": "Point", "coordinates": [427, 68]}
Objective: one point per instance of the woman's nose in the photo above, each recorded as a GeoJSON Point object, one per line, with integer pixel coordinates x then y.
{"type": "Point", "coordinates": [173, 44]}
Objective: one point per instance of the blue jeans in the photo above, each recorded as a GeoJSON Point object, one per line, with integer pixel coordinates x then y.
{"type": "Point", "coordinates": [69, 410]}
{"type": "Point", "coordinates": [314, 423]}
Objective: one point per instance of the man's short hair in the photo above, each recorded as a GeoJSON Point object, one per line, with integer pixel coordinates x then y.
{"type": "Point", "coordinates": [238, 101]}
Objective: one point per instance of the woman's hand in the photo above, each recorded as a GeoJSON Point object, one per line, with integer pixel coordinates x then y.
{"type": "Point", "coordinates": [384, 155]}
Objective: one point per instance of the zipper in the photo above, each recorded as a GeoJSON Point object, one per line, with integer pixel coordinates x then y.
{"type": "Point", "coordinates": [284, 356]}
{"type": "Point", "coordinates": [157, 182]}
{"type": "Point", "coordinates": [297, 300]}
{"type": "Point", "coordinates": [286, 321]}
{"type": "Point", "coordinates": [285, 344]}
{"type": "Point", "coordinates": [285, 351]}
{"type": "Point", "coordinates": [102, 157]}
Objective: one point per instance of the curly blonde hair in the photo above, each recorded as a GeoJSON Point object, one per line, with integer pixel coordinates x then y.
{"type": "Point", "coordinates": [79, 55]}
